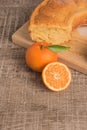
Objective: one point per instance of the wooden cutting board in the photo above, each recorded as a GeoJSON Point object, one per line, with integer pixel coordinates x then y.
{"type": "Point", "coordinates": [75, 58]}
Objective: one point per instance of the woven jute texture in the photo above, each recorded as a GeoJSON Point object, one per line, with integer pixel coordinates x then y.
{"type": "Point", "coordinates": [25, 103]}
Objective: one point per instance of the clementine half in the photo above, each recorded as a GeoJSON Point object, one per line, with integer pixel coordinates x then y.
{"type": "Point", "coordinates": [38, 56]}
{"type": "Point", "coordinates": [56, 76]}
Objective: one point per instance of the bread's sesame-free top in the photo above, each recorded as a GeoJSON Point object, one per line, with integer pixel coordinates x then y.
{"type": "Point", "coordinates": [53, 20]}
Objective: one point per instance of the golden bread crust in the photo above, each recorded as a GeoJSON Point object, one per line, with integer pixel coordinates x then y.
{"type": "Point", "coordinates": [63, 14]}
{"type": "Point", "coordinates": [57, 12]}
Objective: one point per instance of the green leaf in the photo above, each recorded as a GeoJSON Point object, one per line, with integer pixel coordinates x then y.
{"type": "Point", "coordinates": [58, 48]}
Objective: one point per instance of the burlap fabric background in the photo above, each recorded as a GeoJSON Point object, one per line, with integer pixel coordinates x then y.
{"type": "Point", "coordinates": [25, 104]}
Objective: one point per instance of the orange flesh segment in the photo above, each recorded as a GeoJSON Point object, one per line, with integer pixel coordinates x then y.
{"type": "Point", "coordinates": [57, 76]}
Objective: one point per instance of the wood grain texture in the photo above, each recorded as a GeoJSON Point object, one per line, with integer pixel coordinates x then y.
{"type": "Point", "coordinates": [75, 58]}
{"type": "Point", "coordinates": [25, 103]}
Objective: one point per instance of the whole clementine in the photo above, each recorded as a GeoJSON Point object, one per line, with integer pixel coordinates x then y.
{"type": "Point", "coordinates": [38, 56]}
